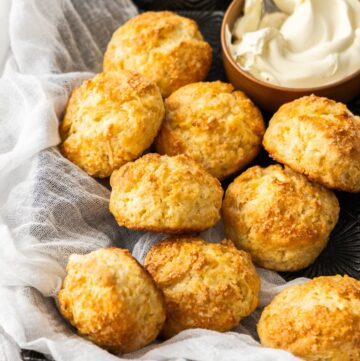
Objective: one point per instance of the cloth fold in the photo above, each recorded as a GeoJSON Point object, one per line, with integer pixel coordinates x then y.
{"type": "Point", "coordinates": [50, 209]}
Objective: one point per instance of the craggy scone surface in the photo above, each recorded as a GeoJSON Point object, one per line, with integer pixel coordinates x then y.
{"type": "Point", "coordinates": [112, 300]}
{"type": "Point", "coordinates": [165, 194]}
{"type": "Point", "coordinates": [110, 120]}
{"type": "Point", "coordinates": [279, 216]}
{"type": "Point", "coordinates": [206, 285]}
{"type": "Point", "coordinates": [317, 321]}
{"type": "Point", "coordinates": [167, 48]}
{"type": "Point", "coordinates": [319, 138]}
{"type": "Point", "coordinates": [213, 124]}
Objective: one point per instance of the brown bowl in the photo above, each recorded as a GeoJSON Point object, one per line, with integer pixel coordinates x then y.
{"type": "Point", "coordinates": [269, 96]}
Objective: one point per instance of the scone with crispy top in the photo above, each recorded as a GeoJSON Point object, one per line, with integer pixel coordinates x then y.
{"type": "Point", "coordinates": [206, 285]}
{"type": "Point", "coordinates": [319, 138]}
{"type": "Point", "coordinates": [111, 300]}
{"type": "Point", "coordinates": [214, 124]}
{"type": "Point", "coordinates": [167, 48]}
{"type": "Point", "coordinates": [165, 194]}
{"type": "Point", "coordinates": [317, 321]}
{"type": "Point", "coordinates": [281, 218]}
{"type": "Point", "coordinates": [110, 120]}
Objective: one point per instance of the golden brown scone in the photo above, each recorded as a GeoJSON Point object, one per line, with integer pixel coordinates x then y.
{"type": "Point", "coordinates": [110, 120]}
{"type": "Point", "coordinates": [213, 124]}
{"type": "Point", "coordinates": [279, 217]}
{"type": "Point", "coordinates": [112, 300]}
{"type": "Point", "coordinates": [165, 194]}
{"type": "Point", "coordinates": [206, 285]}
{"type": "Point", "coordinates": [169, 49]}
{"type": "Point", "coordinates": [319, 138]}
{"type": "Point", "coordinates": [317, 321]}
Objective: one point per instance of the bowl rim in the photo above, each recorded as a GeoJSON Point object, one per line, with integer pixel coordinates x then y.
{"type": "Point", "coordinates": [227, 54]}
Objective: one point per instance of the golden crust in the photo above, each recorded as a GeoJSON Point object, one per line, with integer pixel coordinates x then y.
{"type": "Point", "coordinates": [319, 138]}
{"type": "Point", "coordinates": [213, 124]}
{"type": "Point", "coordinates": [167, 48]}
{"type": "Point", "coordinates": [165, 194]}
{"type": "Point", "coordinates": [206, 285]}
{"type": "Point", "coordinates": [317, 321]}
{"type": "Point", "coordinates": [280, 217]}
{"type": "Point", "coordinates": [110, 120]}
{"type": "Point", "coordinates": [112, 300]}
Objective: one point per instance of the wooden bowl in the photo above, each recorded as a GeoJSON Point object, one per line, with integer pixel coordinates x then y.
{"type": "Point", "coordinates": [269, 96]}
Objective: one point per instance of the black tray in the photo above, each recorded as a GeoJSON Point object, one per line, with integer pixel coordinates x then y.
{"type": "Point", "coordinates": [342, 254]}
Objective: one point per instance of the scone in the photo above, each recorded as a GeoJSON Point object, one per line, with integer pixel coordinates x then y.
{"type": "Point", "coordinates": [112, 300]}
{"type": "Point", "coordinates": [213, 124]}
{"type": "Point", "coordinates": [317, 321]}
{"type": "Point", "coordinates": [110, 120]}
{"type": "Point", "coordinates": [165, 194]}
{"type": "Point", "coordinates": [206, 285]}
{"type": "Point", "coordinates": [319, 138]}
{"type": "Point", "coordinates": [281, 218]}
{"type": "Point", "coordinates": [169, 49]}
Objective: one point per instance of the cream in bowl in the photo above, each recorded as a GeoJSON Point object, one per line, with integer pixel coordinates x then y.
{"type": "Point", "coordinates": [303, 44]}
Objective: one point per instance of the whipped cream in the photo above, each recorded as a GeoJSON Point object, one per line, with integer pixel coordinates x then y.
{"type": "Point", "coordinates": [308, 43]}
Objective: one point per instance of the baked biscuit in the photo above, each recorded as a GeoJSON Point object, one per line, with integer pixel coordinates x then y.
{"type": "Point", "coordinates": [279, 217]}
{"type": "Point", "coordinates": [112, 300]}
{"type": "Point", "coordinates": [317, 321]}
{"type": "Point", "coordinates": [169, 49]}
{"type": "Point", "coordinates": [213, 124]}
{"type": "Point", "coordinates": [206, 285]}
{"type": "Point", "coordinates": [319, 138]}
{"type": "Point", "coordinates": [165, 194]}
{"type": "Point", "coordinates": [110, 120]}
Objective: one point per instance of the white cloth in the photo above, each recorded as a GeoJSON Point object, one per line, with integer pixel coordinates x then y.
{"type": "Point", "coordinates": [4, 32]}
{"type": "Point", "coordinates": [49, 208]}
